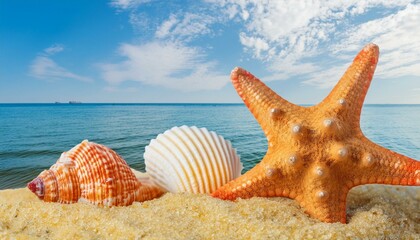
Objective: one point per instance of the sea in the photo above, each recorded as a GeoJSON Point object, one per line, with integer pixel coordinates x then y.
{"type": "Point", "coordinates": [32, 136]}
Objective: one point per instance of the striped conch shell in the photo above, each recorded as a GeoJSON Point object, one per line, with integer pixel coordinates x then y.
{"type": "Point", "coordinates": [92, 173]}
{"type": "Point", "coordinates": [191, 159]}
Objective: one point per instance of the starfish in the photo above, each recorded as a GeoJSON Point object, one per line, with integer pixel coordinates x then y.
{"type": "Point", "coordinates": [317, 154]}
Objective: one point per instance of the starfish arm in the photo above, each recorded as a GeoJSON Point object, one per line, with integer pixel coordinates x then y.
{"type": "Point", "coordinates": [258, 182]}
{"type": "Point", "coordinates": [381, 165]}
{"type": "Point", "coordinates": [349, 93]}
{"type": "Point", "coordinates": [263, 102]}
{"type": "Point", "coordinates": [330, 206]}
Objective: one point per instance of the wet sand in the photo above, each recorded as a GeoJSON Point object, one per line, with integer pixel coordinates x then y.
{"type": "Point", "coordinates": [373, 211]}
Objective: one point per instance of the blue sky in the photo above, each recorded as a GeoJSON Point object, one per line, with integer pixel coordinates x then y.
{"type": "Point", "coordinates": [183, 51]}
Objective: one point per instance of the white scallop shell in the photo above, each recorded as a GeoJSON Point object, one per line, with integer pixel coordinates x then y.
{"type": "Point", "coordinates": [191, 159]}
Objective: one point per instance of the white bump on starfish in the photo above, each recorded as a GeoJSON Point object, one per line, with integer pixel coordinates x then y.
{"type": "Point", "coordinates": [249, 182]}
{"type": "Point", "coordinates": [342, 101]}
{"type": "Point", "coordinates": [275, 112]}
{"type": "Point", "coordinates": [269, 171]}
{"type": "Point", "coordinates": [293, 159]}
{"type": "Point", "coordinates": [328, 122]}
{"type": "Point", "coordinates": [368, 159]}
{"type": "Point", "coordinates": [296, 128]}
{"type": "Point", "coordinates": [319, 171]}
{"type": "Point", "coordinates": [321, 194]}
{"type": "Point", "coordinates": [342, 152]}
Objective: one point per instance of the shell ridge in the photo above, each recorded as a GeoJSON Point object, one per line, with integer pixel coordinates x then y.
{"type": "Point", "coordinates": [110, 191]}
{"type": "Point", "coordinates": [91, 171]}
{"type": "Point", "coordinates": [236, 157]}
{"type": "Point", "coordinates": [174, 174]}
{"type": "Point", "coordinates": [68, 190]}
{"type": "Point", "coordinates": [203, 158]}
{"type": "Point", "coordinates": [219, 163]}
{"type": "Point", "coordinates": [96, 190]}
{"type": "Point", "coordinates": [118, 183]}
{"type": "Point", "coordinates": [228, 160]}
{"type": "Point", "coordinates": [128, 187]}
{"type": "Point", "coordinates": [199, 158]}
{"type": "Point", "coordinates": [207, 156]}
{"type": "Point", "coordinates": [189, 179]}
{"type": "Point", "coordinates": [77, 154]}
{"type": "Point", "coordinates": [51, 193]}
{"type": "Point", "coordinates": [153, 162]}
{"type": "Point", "coordinates": [100, 156]}
{"type": "Point", "coordinates": [188, 151]}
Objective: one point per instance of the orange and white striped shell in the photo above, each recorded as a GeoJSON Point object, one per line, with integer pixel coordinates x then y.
{"type": "Point", "coordinates": [191, 159]}
{"type": "Point", "coordinates": [93, 173]}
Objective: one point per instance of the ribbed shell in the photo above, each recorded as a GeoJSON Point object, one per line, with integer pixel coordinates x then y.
{"type": "Point", "coordinates": [89, 172]}
{"type": "Point", "coordinates": [191, 159]}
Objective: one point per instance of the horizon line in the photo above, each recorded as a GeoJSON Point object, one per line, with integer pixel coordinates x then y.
{"type": "Point", "coordinates": [173, 103]}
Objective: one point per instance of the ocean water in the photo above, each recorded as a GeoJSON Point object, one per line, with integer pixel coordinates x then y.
{"type": "Point", "coordinates": [32, 136]}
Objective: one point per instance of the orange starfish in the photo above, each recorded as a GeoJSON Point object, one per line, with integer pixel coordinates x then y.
{"type": "Point", "coordinates": [317, 154]}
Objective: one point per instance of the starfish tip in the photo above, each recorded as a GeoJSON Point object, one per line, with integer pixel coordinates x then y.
{"type": "Point", "coordinates": [371, 47]}
{"type": "Point", "coordinates": [235, 72]}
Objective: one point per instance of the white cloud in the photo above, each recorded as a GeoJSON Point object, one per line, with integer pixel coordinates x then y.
{"type": "Point", "coordinates": [56, 48]}
{"type": "Point", "coordinates": [398, 36]}
{"type": "Point", "coordinates": [181, 24]}
{"type": "Point", "coordinates": [185, 27]}
{"type": "Point", "coordinates": [166, 60]}
{"type": "Point", "coordinates": [139, 21]}
{"type": "Point", "coordinates": [43, 67]}
{"type": "Point", "coordinates": [290, 35]}
{"type": "Point", "coordinates": [166, 27]}
{"type": "Point", "coordinates": [168, 65]}
{"type": "Point", "coordinates": [310, 39]}
{"type": "Point", "coordinates": [127, 4]}
{"type": "Point", "coordinates": [258, 44]}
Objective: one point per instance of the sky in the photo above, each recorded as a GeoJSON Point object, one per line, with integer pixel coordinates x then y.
{"type": "Point", "coordinates": [141, 51]}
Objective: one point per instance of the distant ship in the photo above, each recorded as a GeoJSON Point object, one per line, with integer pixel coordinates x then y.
{"type": "Point", "coordinates": [74, 102]}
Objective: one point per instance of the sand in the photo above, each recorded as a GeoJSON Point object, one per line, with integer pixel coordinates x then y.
{"type": "Point", "coordinates": [374, 212]}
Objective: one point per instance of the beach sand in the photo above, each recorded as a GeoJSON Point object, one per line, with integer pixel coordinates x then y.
{"type": "Point", "coordinates": [373, 211]}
